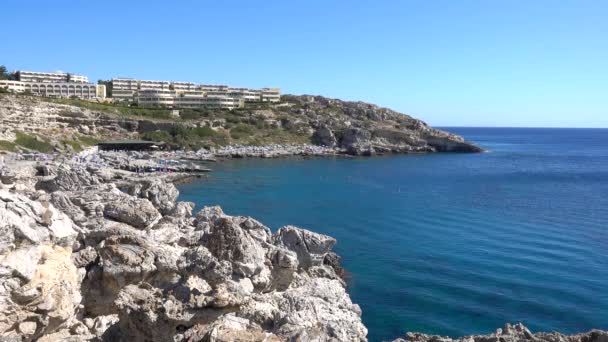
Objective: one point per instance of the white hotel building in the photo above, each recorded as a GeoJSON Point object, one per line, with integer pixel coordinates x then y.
{"type": "Point", "coordinates": [54, 84]}
{"type": "Point", "coordinates": [53, 77]}
{"type": "Point", "coordinates": [185, 99]}
{"type": "Point", "coordinates": [188, 95]}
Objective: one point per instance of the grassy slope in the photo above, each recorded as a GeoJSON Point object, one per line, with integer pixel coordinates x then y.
{"type": "Point", "coordinates": [240, 126]}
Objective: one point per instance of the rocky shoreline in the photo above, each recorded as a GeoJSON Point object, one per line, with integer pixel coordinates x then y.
{"type": "Point", "coordinates": [512, 333]}
{"type": "Point", "coordinates": [93, 252]}
{"type": "Point", "coordinates": [82, 260]}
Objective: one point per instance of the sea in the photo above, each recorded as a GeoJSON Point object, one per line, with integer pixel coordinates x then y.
{"type": "Point", "coordinates": [449, 244]}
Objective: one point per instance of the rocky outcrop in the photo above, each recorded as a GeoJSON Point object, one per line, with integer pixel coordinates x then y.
{"type": "Point", "coordinates": [334, 126]}
{"type": "Point", "coordinates": [364, 129]}
{"type": "Point", "coordinates": [81, 260]}
{"type": "Point", "coordinates": [512, 333]}
{"type": "Point", "coordinates": [324, 136]}
{"type": "Point", "coordinates": [39, 284]}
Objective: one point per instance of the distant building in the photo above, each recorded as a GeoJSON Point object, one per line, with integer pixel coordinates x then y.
{"type": "Point", "coordinates": [185, 99]}
{"type": "Point", "coordinates": [55, 84]}
{"type": "Point", "coordinates": [126, 88]}
{"type": "Point", "coordinates": [56, 77]}
{"type": "Point", "coordinates": [13, 86]}
{"type": "Point", "coordinates": [101, 91]}
{"type": "Point", "coordinates": [52, 89]}
{"type": "Point", "coordinates": [188, 95]}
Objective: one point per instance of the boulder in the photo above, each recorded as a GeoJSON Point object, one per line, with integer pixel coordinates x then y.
{"type": "Point", "coordinates": [68, 179]}
{"type": "Point", "coordinates": [139, 213]}
{"type": "Point", "coordinates": [324, 136]}
{"type": "Point", "coordinates": [161, 194]}
{"type": "Point", "coordinates": [311, 248]}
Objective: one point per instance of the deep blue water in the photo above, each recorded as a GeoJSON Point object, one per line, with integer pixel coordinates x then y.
{"type": "Point", "coordinates": [450, 243]}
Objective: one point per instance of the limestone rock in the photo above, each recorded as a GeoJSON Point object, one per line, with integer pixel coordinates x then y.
{"type": "Point", "coordinates": [139, 213]}
{"type": "Point", "coordinates": [515, 333]}
{"type": "Point", "coordinates": [324, 136]}
{"type": "Point", "coordinates": [162, 195]}
{"type": "Point", "coordinates": [311, 248]}
{"type": "Point", "coordinates": [68, 179]}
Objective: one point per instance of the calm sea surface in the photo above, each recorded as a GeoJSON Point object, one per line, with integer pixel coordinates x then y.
{"type": "Point", "coordinates": [450, 243]}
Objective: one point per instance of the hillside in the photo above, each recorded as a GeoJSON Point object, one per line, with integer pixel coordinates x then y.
{"type": "Point", "coordinates": [32, 123]}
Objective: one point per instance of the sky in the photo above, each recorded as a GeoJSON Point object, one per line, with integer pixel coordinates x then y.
{"type": "Point", "coordinates": [516, 63]}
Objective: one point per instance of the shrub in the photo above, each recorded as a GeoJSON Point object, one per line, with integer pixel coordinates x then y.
{"type": "Point", "coordinates": [7, 146]}
{"type": "Point", "coordinates": [241, 131]}
{"type": "Point", "coordinates": [33, 143]}
{"type": "Point", "coordinates": [205, 132]}
{"type": "Point", "coordinates": [76, 146]}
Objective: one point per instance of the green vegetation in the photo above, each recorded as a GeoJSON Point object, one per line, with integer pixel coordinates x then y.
{"type": "Point", "coordinates": [7, 146]}
{"type": "Point", "coordinates": [116, 108]}
{"type": "Point", "coordinates": [76, 145]}
{"type": "Point", "coordinates": [241, 131]}
{"type": "Point", "coordinates": [256, 124]}
{"type": "Point", "coordinates": [33, 143]}
{"type": "Point", "coordinates": [5, 75]}
{"type": "Point", "coordinates": [87, 140]}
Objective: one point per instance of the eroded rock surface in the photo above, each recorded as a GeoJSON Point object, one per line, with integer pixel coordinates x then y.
{"type": "Point", "coordinates": [512, 333]}
{"type": "Point", "coordinates": [82, 260]}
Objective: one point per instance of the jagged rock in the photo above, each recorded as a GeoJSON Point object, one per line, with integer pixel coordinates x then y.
{"type": "Point", "coordinates": [125, 260]}
{"type": "Point", "coordinates": [325, 137]}
{"type": "Point", "coordinates": [7, 176]}
{"type": "Point", "coordinates": [515, 333]}
{"type": "Point", "coordinates": [41, 301]}
{"type": "Point", "coordinates": [162, 195]}
{"type": "Point", "coordinates": [227, 240]}
{"type": "Point", "coordinates": [311, 248]}
{"type": "Point", "coordinates": [23, 221]}
{"type": "Point", "coordinates": [84, 257]}
{"type": "Point", "coordinates": [139, 213]}
{"type": "Point", "coordinates": [209, 214]}
{"type": "Point", "coordinates": [69, 180]}
{"type": "Point", "coordinates": [311, 309]}
{"type": "Point", "coordinates": [228, 328]}
{"type": "Point", "coordinates": [183, 209]}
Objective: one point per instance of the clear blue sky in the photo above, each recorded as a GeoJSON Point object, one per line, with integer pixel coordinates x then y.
{"type": "Point", "coordinates": [463, 63]}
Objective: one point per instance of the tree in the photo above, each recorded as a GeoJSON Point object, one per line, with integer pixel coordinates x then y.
{"type": "Point", "coordinates": [4, 75]}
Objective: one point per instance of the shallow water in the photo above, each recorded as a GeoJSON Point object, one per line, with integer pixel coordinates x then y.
{"type": "Point", "coordinates": [449, 244]}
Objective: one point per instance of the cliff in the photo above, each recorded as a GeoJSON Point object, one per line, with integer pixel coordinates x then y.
{"type": "Point", "coordinates": [349, 127]}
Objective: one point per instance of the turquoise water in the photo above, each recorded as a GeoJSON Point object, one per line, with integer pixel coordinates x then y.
{"type": "Point", "coordinates": [450, 243]}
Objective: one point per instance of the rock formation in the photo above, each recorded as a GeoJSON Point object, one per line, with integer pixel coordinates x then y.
{"type": "Point", "coordinates": [81, 260]}
{"type": "Point", "coordinates": [355, 128]}
{"type": "Point", "coordinates": [512, 333]}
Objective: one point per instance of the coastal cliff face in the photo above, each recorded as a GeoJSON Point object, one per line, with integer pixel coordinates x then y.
{"type": "Point", "coordinates": [81, 260]}
{"type": "Point", "coordinates": [349, 127]}
{"type": "Point", "coordinates": [363, 128]}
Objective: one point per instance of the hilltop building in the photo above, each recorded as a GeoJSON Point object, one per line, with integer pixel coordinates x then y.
{"type": "Point", "coordinates": [54, 84]}
{"type": "Point", "coordinates": [189, 99]}
{"type": "Point", "coordinates": [188, 95]}
{"type": "Point", "coordinates": [143, 92]}
{"type": "Point", "coordinates": [50, 77]}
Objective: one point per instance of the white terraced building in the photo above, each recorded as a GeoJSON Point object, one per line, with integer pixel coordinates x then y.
{"type": "Point", "coordinates": [57, 89]}
{"type": "Point", "coordinates": [57, 77]}
{"type": "Point", "coordinates": [185, 99]}
{"type": "Point", "coordinates": [12, 86]}
{"type": "Point", "coordinates": [128, 89]}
